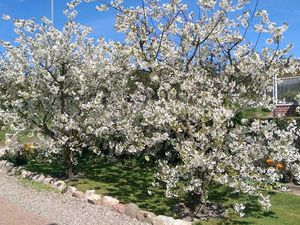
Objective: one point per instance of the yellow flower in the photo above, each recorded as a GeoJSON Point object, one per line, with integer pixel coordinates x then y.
{"type": "Point", "coordinates": [28, 146]}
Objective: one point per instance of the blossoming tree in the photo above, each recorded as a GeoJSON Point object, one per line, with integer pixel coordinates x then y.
{"type": "Point", "coordinates": [174, 87]}
{"type": "Point", "coordinates": [197, 70]}
{"type": "Point", "coordinates": [57, 83]}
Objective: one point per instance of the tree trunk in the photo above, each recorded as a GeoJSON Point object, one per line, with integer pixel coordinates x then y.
{"type": "Point", "coordinates": [69, 163]}
{"type": "Point", "coordinates": [198, 203]}
{"type": "Point", "coordinates": [68, 153]}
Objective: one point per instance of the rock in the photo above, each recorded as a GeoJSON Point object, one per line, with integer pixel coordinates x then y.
{"type": "Point", "coordinates": [119, 208]}
{"type": "Point", "coordinates": [30, 175]}
{"type": "Point", "coordinates": [131, 210]}
{"type": "Point", "coordinates": [2, 151]}
{"type": "Point", "coordinates": [24, 174]}
{"type": "Point", "coordinates": [35, 177]}
{"type": "Point", "coordinates": [94, 199]}
{"type": "Point", "coordinates": [71, 189]}
{"type": "Point", "coordinates": [145, 216]}
{"type": "Point", "coordinates": [8, 166]}
{"type": "Point", "coordinates": [182, 222]}
{"type": "Point", "coordinates": [48, 180]}
{"type": "Point", "coordinates": [163, 220]}
{"type": "Point", "coordinates": [79, 195]}
{"type": "Point", "coordinates": [109, 201]}
{"type": "Point", "coordinates": [40, 177]}
{"type": "Point", "coordinates": [13, 171]}
{"type": "Point", "coordinates": [89, 193]}
{"type": "Point", "coordinates": [60, 185]}
{"type": "Point", "coordinates": [19, 170]}
{"type": "Point", "coordinates": [2, 163]}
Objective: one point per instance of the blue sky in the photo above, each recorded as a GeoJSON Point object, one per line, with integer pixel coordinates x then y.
{"type": "Point", "coordinates": [102, 23]}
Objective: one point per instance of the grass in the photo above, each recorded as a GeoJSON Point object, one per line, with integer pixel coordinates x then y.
{"type": "Point", "coordinates": [129, 181]}
{"type": "Point", "coordinates": [35, 185]}
{"type": "Point", "coordinates": [2, 135]}
{"type": "Point", "coordinates": [23, 137]}
{"type": "Point", "coordinates": [284, 210]}
{"type": "Point", "coordinates": [26, 137]}
{"type": "Point", "coordinates": [256, 113]}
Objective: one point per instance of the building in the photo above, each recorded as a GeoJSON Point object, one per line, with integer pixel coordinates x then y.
{"type": "Point", "coordinates": [285, 91]}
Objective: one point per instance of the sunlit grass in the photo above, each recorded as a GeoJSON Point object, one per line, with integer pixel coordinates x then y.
{"type": "Point", "coordinates": [129, 181]}
{"type": "Point", "coordinates": [36, 185]}
{"type": "Point", "coordinates": [256, 113]}
{"type": "Point", "coordinates": [285, 210]}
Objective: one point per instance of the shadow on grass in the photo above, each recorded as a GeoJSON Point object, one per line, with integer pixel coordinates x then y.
{"type": "Point", "coordinates": [226, 197]}
{"type": "Point", "coordinates": [54, 169]}
{"type": "Point", "coordinates": [128, 181]}
{"type": "Point", "coordinates": [131, 181]}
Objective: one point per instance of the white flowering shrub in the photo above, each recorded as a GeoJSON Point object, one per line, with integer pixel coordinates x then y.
{"type": "Point", "coordinates": [197, 71]}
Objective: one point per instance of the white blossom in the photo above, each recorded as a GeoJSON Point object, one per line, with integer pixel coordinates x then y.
{"type": "Point", "coordinates": [5, 17]}
{"type": "Point", "coordinates": [265, 201]}
{"type": "Point", "coordinates": [239, 208]}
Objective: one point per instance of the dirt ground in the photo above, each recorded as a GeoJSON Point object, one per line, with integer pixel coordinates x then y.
{"type": "Point", "coordinates": [294, 189]}
{"type": "Point", "coordinates": [11, 214]}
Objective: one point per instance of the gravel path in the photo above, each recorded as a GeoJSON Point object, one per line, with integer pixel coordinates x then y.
{"type": "Point", "coordinates": [11, 214]}
{"type": "Point", "coordinates": [294, 189]}
{"type": "Point", "coordinates": [58, 208]}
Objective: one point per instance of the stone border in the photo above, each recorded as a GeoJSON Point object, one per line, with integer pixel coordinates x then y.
{"type": "Point", "coordinates": [131, 209]}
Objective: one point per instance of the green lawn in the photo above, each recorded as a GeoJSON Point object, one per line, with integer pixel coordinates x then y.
{"type": "Point", "coordinates": [285, 210]}
{"type": "Point", "coordinates": [130, 182]}
{"type": "Point", "coordinates": [2, 136]}
{"type": "Point", "coordinates": [36, 185]}
{"type": "Point", "coordinates": [256, 113]}
{"type": "Point", "coordinates": [23, 137]}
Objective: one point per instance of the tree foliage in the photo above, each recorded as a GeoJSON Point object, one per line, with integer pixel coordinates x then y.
{"type": "Point", "coordinates": [177, 82]}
